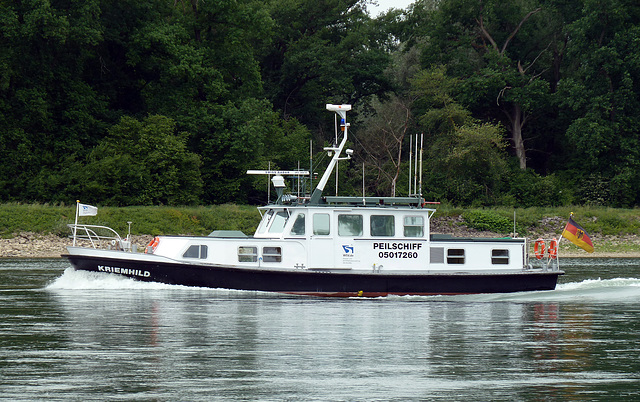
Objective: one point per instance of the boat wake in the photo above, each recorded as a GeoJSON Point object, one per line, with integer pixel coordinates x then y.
{"type": "Point", "coordinates": [84, 280]}
{"type": "Point", "coordinates": [625, 290]}
{"type": "Point", "coordinates": [616, 290]}
{"type": "Point", "coordinates": [73, 279]}
{"type": "Point", "coordinates": [600, 290]}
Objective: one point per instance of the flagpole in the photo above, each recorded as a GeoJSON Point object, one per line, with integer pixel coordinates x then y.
{"type": "Point", "coordinates": [75, 226]}
{"type": "Point", "coordinates": [565, 228]}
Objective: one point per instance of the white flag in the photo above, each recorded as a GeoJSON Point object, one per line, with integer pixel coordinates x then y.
{"type": "Point", "coordinates": [87, 210]}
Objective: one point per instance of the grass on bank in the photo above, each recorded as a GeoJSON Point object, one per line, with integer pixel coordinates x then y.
{"type": "Point", "coordinates": [595, 220]}
{"type": "Point", "coordinates": [47, 219]}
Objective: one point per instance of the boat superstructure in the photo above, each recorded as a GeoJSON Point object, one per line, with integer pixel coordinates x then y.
{"type": "Point", "coordinates": [333, 246]}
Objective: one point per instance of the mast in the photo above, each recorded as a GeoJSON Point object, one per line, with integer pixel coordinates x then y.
{"type": "Point", "coordinates": [340, 110]}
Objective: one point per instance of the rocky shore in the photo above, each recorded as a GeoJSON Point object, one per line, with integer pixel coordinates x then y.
{"type": "Point", "coordinates": [34, 245]}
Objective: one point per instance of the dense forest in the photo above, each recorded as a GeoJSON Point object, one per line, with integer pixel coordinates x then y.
{"type": "Point", "coordinates": [169, 102]}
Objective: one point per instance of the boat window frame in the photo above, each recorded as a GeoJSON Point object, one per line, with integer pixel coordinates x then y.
{"type": "Point", "coordinates": [345, 225]}
{"type": "Point", "coordinates": [295, 222]}
{"type": "Point", "coordinates": [456, 256]}
{"type": "Point", "coordinates": [266, 220]}
{"type": "Point", "coordinates": [384, 225]}
{"type": "Point", "coordinates": [274, 255]}
{"type": "Point", "coordinates": [275, 220]}
{"type": "Point", "coordinates": [253, 257]}
{"type": "Point", "coordinates": [315, 229]}
{"type": "Point", "coordinates": [500, 259]}
{"type": "Point", "coordinates": [405, 226]}
{"type": "Point", "coordinates": [201, 253]}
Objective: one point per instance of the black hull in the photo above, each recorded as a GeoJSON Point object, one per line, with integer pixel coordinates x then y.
{"type": "Point", "coordinates": [319, 283]}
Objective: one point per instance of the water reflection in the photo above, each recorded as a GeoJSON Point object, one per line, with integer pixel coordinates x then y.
{"type": "Point", "coordinates": [96, 337]}
{"type": "Point", "coordinates": [158, 341]}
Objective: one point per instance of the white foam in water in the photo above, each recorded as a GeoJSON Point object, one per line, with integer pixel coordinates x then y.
{"type": "Point", "coordinates": [618, 290]}
{"type": "Point", "coordinates": [75, 279]}
{"type": "Point", "coordinates": [599, 283]}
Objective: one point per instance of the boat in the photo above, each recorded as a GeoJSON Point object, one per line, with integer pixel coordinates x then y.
{"type": "Point", "coordinates": [322, 245]}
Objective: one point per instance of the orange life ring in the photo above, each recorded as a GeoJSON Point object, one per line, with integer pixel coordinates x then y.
{"type": "Point", "coordinates": [153, 244]}
{"type": "Point", "coordinates": [553, 248]}
{"type": "Point", "coordinates": [538, 248]}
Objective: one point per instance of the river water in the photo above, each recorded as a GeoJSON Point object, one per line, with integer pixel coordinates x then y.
{"type": "Point", "coordinates": [70, 335]}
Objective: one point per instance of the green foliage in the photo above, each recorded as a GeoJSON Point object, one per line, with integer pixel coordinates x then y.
{"type": "Point", "coordinates": [437, 109]}
{"type": "Point", "coordinates": [602, 101]}
{"type": "Point", "coordinates": [322, 52]}
{"type": "Point", "coordinates": [488, 220]}
{"type": "Point", "coordinates": [153, 220]}
{"type": "Point", "coordinates": [465, 163]}
{"type": "Point", "coordinates": [529, 189]}
{"type": "Point", "coordinates": [248, 79]}
{"type": "Point", "coordinates": [249, 137]}
{"type": "Point", "coordinates": [143, 163]}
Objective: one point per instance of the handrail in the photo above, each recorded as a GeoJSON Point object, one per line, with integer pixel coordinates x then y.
{"type": "Point", "coordinates": [93, 237]}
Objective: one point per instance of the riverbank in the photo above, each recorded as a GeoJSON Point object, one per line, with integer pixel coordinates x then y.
{"type": "Point", "coordinates": [35, 245]}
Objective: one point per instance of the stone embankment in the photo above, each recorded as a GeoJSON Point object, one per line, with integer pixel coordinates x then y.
{"type": "Point", "coordinates": [34, 245]}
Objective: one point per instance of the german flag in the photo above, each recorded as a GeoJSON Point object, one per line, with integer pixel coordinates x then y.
{"type": "Point", "coordinates": [576, 234]}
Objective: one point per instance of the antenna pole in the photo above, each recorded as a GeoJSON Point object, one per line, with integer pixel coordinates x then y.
{"type": "Point", "coordinates": [310, 165]}
{"type": "Point", "coordinates": [335, 130]}
{"type": "Point", "coordinates": [363, 196]}
{"type": "Point", "coordinates": [269, 185]}
{"type": "Point", "coordinates": [415, 167]}
{"type": "Point", "coordinates": [75, 226]}
{"type": "Point", "coordinates": [421, 142]}
{"type": "Point", "coordinates": [410, 157]}
{"type": "Point", "coordinates": [298, 180]}
{"type": "Point", "coordinates": [337, 170]}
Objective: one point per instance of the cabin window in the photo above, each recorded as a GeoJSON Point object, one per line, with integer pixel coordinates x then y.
{"type": "Point", "coordinates": [265, 221]}
{"type": "Point", "coordinates": [382, 225]}
{"type": "Point", "coordinates": [271, 254]}
{"type": "Point", "coordinates": [321, 224]}
{"type": "Point", "coordinates": [413, 226]}
{"type": "Point", "coordinates": [298, 228]}
{"type": "Point", "coordinates": [455, 256]}
{"type": "Point", "coordinates": [350, 225]}
{"type": "Point", "coordinates": [437, 255]}
{"type": "Point", "coordinates": [279, 220]}
{"type": "Point", "coordinates": [500, 257]}
{"type": "Point", "coordinates": [196, 251]}
{"type": "Point", "coordinates": [247, 254]}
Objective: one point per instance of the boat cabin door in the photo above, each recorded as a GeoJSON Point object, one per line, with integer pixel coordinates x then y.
{"type": "Point", "coordinates": [321, 248]}
{"type": "Point", "coordinates": [332, 244]}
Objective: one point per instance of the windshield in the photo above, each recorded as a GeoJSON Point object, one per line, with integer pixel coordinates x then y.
{"type": "Point", "coordinates": [279, 220]}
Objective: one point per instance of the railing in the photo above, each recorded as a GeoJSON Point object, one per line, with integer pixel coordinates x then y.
{"type": "Point", "coordinates": [100, 237]}
{"type": "Point", "coordinates": [545, 254]}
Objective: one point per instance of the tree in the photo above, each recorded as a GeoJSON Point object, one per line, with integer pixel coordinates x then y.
{"type": "Point", "coordinates": [383, 142]}
{"type": "Point", "coordinates": [250, 135]}
{"type": "Point", "coordinates": [601, 98]}
{"type": "Point", "coordinates": [143, 163]}
{"type": "Point", "coordinates": [322, 52]}
{"type": "Point", "coordinates": [502, 52]}
{"type": "Point", "coordinates": [48, 112]}
{"type": "Point", "coordinates": [465, 161]}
